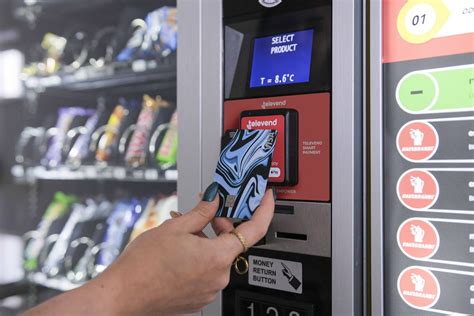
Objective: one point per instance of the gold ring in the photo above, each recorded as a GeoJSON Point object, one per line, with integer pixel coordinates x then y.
{"type": "Point", "coordinates": [237, 267]}
{"type": "Point", "coordinates": [242, 240]}
{"type": "Point", "coordinates": [175, 214]}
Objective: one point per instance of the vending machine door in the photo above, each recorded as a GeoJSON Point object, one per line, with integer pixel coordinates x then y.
{"type": "Point", "coordinates": [422, 123]}
{"type": "Point", "coordinates": [315, 242]}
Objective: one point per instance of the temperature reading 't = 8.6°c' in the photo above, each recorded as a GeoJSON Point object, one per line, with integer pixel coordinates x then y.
{"type": "Point", "coordinates": [278, 79]}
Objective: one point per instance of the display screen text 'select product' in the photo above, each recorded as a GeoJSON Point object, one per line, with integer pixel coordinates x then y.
{"type": "Point", "coordinates": [282, 59]}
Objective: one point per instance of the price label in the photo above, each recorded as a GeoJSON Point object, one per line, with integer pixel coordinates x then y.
{"type": "Point", "coordinates": [120, 173]}
{"type": "Point", "coordinates": [139, 66]}
{"type": "Point", "coordinates": [138, 174]}
{"type": "Point", "coordinates": [90, 172]}
{"type": "Point", "coordinates": [171, 174]}
{"type": "Point", "coordinates": [151, 174]}
{"type": "Point", "coordinates": [80, 75]}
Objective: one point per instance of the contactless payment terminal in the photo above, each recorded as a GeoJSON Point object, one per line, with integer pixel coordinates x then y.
{"type": "Point", "coordinates": [284, 169]}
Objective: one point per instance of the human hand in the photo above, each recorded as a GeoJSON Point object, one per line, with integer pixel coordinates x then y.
{"type": "Point", "coordinates": [174, 268]}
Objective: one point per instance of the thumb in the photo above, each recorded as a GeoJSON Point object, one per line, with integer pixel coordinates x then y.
{"type": "Point", "coordinates": [203, 213]}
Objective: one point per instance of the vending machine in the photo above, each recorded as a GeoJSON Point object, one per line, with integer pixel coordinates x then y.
{"type": "Point", "coordinates": [296, 67]}
{"type": "Point", "coordinates": [422, 122]}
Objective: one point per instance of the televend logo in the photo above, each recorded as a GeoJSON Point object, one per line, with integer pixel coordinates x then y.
{"type": "Point", "coordinates": [269, 3]}
{"type": "Point", "coordinates": [256, 123]}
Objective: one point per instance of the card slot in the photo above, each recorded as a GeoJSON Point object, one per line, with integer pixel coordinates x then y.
{"type": "Point", "coordinates": [285, 209]}
{"type": "Point", "coordinates": [291, 236]}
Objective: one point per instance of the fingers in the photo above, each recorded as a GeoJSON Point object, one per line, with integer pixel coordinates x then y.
{"type": "Point", "coordinates": [222, 225]}
{"type": "Point", "coordinates": [175, 214]}
{"type": "Point", "coordinates": [253, 230]}
{"type": "Point", "coordinates": [198, 218]}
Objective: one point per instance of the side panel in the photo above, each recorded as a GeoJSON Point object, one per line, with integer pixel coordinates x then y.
{"type": "Point", "coordinates": [376, 159]}
{"type": "Point", "coordinates": [212, 87]}
{"type": "Point", "coordinates": [422, 158]}
{"type": "Point", "coordinates": [347, 260]}
{"type": "Point", "coordinates": [200, 98]}
{"type": "Point", "coordinates": [190, 101]}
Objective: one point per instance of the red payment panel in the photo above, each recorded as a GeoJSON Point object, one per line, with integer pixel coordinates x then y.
{"type": "Point", "coordinates": [314, 150]}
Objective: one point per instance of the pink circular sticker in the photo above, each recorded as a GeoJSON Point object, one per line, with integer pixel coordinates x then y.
{"type": "Point", "coordinates": [417, 141]}
{"type": "Point", "coordinates": [418, 238]}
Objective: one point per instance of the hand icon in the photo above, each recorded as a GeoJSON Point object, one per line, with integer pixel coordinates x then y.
{"type": "Point", "coordinates": [417, 137]}
{"type": "Point", "coordinates": [294, 282]}
{"type": "Point", "coordinates": [417, 184]}
{"type": "Point", "coordinates": [418, 281]}
{"type": "Point", "coordinates": [417, 232]}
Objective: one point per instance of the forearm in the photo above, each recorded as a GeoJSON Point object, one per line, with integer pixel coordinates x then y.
{"type": "Point", "coordinates": [94, 298]}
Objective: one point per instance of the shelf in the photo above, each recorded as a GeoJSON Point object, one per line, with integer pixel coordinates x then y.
{"type": "Point", "coordinates": [159, 74]}
{"type": "Point", "coordinates": [60, 284]}
{"type": "Point", "coordinates": [62, 9]}
{"type": "Point", "coordinates": [153, 175]}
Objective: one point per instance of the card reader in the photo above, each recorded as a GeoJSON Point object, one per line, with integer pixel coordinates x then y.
{"type": "Point", "coordinates": [284, 169]}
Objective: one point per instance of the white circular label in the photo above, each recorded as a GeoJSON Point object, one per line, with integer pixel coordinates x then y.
{"type": "Point", "coordinates": [421, 19]}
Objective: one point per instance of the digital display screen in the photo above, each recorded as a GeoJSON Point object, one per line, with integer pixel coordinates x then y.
{"type": "Point", "coordinates": [282, 59]}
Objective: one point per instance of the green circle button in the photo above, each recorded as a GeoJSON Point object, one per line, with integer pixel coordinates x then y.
{"type": "Point", "coordinates": [416, 92]}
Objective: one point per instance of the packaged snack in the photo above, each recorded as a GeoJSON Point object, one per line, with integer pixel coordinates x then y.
{"type": "Point", "coordinates": [80, 149]}
{"type": "Point", "coordinates": [167, 154]}
{"type": "Point", "coordinates": [111, 135]}
{"type": "Point", "coordinates": [57, 208]}
{"type": "Point", "coordinates": [136, 151]}
{"type": "Point", "coordinates": [66, 119]}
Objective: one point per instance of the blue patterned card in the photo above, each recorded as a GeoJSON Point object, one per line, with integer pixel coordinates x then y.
{"type": "Point", "coordinates": [242, 171]}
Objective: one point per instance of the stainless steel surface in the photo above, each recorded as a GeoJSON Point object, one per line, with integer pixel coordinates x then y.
{"type": "Point", "coordinates": [346, 164]}
{"type": "Point", "coordinates": [310, 219]}
{"type": "Point", "coordinates": [189, 102]}
{"type": "Point", "coordinates": [199, 101]}
{"type": "Point", "coordinates": [376, 159]}
{"type": "Point", "coordinates": [365, 159]}
{"type": "Point", "coordinates": [212, 87]}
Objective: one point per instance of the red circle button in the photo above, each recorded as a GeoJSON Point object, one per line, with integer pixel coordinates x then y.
{"type": "Point", "coordinates": [417, 141]}
{"type": "Point", "coordinates": [417, 189]}
{"type": "Point", "coordinates": [418, 238]}
{"type": "Point", "coordinates": [418, 287]}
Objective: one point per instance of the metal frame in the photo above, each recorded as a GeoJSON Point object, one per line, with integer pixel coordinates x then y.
{"type": "Point", "coordinates": [212, 87]}
{"type": "Point", "coordinates": [199, 101]}
{"type": "Point", "coordinates": [189, 96]}
{"type": "Point", "coordinates": [347, 170]}
{"type": "Point", "coordinates": [376, 140]}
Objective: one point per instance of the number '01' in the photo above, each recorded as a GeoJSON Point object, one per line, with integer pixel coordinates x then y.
{"type": "Point", "coordinates": [416, 19]}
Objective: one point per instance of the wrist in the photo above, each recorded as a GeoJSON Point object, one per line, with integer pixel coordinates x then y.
{"type": "Point", "coordinates": [106, 295]}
